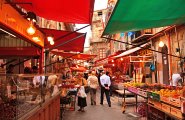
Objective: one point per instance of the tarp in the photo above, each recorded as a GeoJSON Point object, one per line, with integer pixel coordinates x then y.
{"type": "Point", "coordinates": [133, 15]}
{"type": "Point", "coordinates": [76, 45]}
{"type": "Point", "coordinates": [74, 55]}
{"type": "Point", "coordinates": [69, 11]}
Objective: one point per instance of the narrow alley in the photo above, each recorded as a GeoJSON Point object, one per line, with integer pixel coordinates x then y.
{"type": "Point", "coordinates": [102, 112]}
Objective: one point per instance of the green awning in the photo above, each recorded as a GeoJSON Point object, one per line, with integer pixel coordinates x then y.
{"type": "Point", "coordinates": [133, 15]}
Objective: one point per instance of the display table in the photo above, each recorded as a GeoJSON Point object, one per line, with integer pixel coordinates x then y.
{"type": "Point", "coordinates": [135, 94]}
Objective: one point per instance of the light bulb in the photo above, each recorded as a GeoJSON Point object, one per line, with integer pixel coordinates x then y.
{"type": "Point", "coordinates": [52, 42]}
{"type": "Point", "coordinates": [50, 38]}
{"type": "Point", "coordinates": [31, 30]}
{"type": "Point", "coordinates": [113, 65]}
{"type": "Point", "coordinates": [112, 60]}
{"type": "Point", "coordinates": [36, 39]}
{"type": "Point", "coordinates": [161, 44]}
{"type": "Point", "coordinates": [121, 59]}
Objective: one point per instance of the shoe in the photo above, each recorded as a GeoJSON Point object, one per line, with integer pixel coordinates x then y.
{"type": "Point", "coordinates": [91, 103]}
{"type": "Point", "coordinates": [80, 109]}
{"type": "Point", "coordinates": [101, 103]}
{"type": "Point", "coordinates": [94, 103]}
{"type": "Point", "coordinates": [109, 105]}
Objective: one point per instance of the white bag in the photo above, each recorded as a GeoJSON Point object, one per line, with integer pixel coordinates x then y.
{"type": "Point", "coordinates": [81, 92]}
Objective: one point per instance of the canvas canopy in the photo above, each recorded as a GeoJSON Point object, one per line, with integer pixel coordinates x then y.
{"type": "Point", "coordinates": [133, 15]}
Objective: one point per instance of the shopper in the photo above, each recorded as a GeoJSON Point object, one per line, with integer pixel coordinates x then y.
{"type": "Point", "coordinates": [81, 83]}
{"type": "Point", "coordinates": [105, 88]}
{"type": "Point", "coordinates": [38, 82]}
{"type": "Point", "coordinates": [93, 83]}
{"type": "Point", "coordinates": [10, 69]}
{"type": "Point", "coordinates": [177, 79]}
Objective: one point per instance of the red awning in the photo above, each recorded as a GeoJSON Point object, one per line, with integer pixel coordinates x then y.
{"type": "Point", "coordinates": [76, 45]}
{"type": "Point", "coordinates": [107, 59]}
{"type": "Point", "coordinates": [79, 68]}
{"type": "Point", "coordinates": [19, 51]}
{"type": "Point", "coordinates": [75, 11]}
{"type": "Point", "coordinates": [74, 55]}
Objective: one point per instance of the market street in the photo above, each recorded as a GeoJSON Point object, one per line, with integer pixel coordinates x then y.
{"type": "Point", "coordinates": [102, 112]}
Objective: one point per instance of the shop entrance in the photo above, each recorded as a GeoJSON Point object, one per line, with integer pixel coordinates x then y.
{"type": "Point", "coordinates": [165, 64]}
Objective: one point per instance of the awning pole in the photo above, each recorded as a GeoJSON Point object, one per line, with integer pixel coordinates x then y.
{"type": "Point", "coordinates": [8, 62]}
{"type": "Point", "coordinates": [22, 62]}
{"type": "Point", "coordinates": [61, 60]}
{"type": "Point", "coordinates": [142, 47]}
{"type": "Point", "coordinates": [65, 42]}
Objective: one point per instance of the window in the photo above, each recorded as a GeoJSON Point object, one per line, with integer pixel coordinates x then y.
{"type": "Point", "coordinates": [102, 53]}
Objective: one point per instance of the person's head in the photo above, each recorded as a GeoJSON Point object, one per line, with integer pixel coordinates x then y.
{"type": "Point", "coordinates": [107, 73]}
{"type": "Point", "coordinates": [27, 70]}
{"type": "Point", "coordinates": [181, 74]}
{"type": "Point", "coordinates": [93, 73]}
{"type": "Point", "coordinates": [35, 69]}
{"type": "Point", "coordinates": [79, 74]}
{"type": "Point", "coordinates": [10, 68]}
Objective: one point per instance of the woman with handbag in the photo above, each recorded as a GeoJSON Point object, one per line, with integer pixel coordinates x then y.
{"type": "Point", "coordinates": [81, 83]}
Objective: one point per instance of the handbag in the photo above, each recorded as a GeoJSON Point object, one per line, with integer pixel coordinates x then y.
{"type": "Point", "coordinates": [87, 88]}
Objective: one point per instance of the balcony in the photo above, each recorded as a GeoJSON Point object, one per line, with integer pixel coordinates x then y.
{"type": "Point", "coordinates": [139, 36]}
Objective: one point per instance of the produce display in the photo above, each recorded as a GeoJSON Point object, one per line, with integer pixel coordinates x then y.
{"type": "Point", "coordinates": [168, 99]}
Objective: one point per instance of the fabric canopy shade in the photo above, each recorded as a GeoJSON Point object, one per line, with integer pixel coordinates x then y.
{"type": "Point", "coordinates": [79, 68]}
{"type": "Point", "coordinates": [133, 15]}
{"type": "Point", "coordinates": [75, 11]}
{"type": "Point", "coordinates": [19, 51]}
{"type": "Point", "coordinates": [76, 45]}
{"type": "Point", "coordinates": [131, 51]}
{"type": "Point", "coordinates": [74, 55]}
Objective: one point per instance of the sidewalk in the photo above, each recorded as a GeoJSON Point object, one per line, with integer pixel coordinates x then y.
{"type": "Point", "coordinates": [102, 112]}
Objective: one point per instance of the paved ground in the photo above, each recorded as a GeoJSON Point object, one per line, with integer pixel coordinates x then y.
{"type": "Point", "coordinates": [102, 112]}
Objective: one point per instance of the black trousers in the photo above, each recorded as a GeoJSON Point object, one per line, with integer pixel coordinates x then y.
{"type": "Point", "coordinates": [103, 90]}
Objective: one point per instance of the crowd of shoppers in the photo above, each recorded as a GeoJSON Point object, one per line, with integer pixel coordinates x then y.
{"type": "Point", "coordinates": [94, 80]}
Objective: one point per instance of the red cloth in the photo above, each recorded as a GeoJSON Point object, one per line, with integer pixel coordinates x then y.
{"type": "Point", "coordinates": [69, 11]}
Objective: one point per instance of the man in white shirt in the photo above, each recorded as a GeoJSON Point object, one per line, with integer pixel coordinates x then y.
{"type": "Point", "coordinates": [177, 79]}
{"type": "Point", "coordinates": [105, 84]}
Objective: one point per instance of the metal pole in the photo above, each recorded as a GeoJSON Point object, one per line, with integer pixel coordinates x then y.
{"type": "Point", "coordinates": [60, 60]}
{"type": "Point", "coordinates": [69, 34]}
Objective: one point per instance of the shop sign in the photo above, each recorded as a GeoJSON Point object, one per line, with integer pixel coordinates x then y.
{"type": "Point", "coordinates": [11, 19]}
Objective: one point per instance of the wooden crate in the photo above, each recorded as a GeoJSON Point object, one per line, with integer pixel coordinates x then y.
{"type": "Point", "coordinates": [176, 112]}
{"type": "Point", "coordinates": [166, 108]}
{"type": "Point", "coordinates": [165, 99]}
{"type": "Point", "coordinates": [150, 101]}
{"type": "Point", "coordinates": [175, 101]}
{"type": "Point", "coordinates": [157, 104]}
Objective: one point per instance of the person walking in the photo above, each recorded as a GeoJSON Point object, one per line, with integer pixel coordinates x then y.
{"type": "Point", "coordinates": [105, 88]}
{"type": "Point", "coordinates": [81, 83]}
{"type": "Point", "coordinates": [93, 83]}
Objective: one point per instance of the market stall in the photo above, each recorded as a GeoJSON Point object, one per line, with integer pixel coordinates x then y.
{"type": "Point", "coordinates": [162, 101]}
